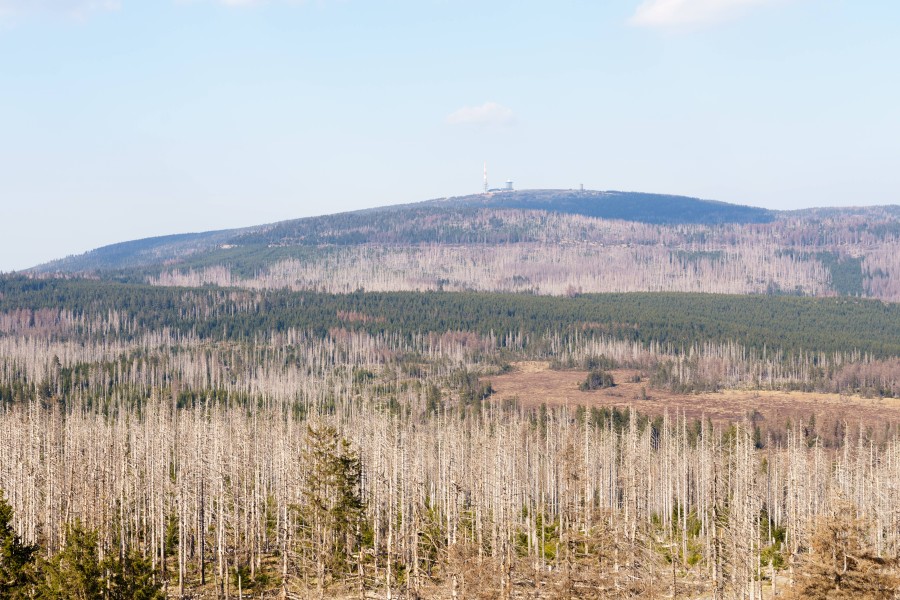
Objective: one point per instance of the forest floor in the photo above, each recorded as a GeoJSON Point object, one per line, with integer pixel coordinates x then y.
{"type": "Point", "coordinates": [534, 383]}
{"type": "Point", "coordinates": [689, 589]}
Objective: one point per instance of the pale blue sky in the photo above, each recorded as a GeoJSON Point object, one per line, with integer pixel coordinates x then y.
{"type": "Point", "coordinates": [131, 118]}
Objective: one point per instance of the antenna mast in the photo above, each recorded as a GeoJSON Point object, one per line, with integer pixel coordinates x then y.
{"type": "Point", "coordinates": [485, 178]}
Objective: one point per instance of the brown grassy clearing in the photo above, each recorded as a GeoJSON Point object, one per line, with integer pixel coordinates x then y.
{"type": "Point", "coordinates": [534, 383]}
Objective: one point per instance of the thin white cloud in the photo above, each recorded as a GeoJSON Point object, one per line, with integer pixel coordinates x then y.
{"type": "Point", "coordinates": [489, 113]}
{"type": "Point", "coordinates": [77, 8]}
{"type": "Point", "coordinates": [691, 13]}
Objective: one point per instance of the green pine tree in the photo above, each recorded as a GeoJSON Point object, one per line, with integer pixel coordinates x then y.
{"type": "Point", "coordinates": [333, 508]}
{"type": "Point", "coordinates": [133, 578]}
{"type": "Point", "coordinates": [17, 560]}
{"type": "Point", "coordinates": [75, 572]}
{"type": "Point", "coordinates": [78, 573]}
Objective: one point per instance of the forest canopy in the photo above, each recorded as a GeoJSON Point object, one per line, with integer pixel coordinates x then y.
{"type": "Point", "coordinates": [773, 323]}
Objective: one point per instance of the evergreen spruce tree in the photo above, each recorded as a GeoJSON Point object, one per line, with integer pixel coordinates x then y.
{"type": "Point", "coordinates": [17, 560]}
{"type": "Point", "coordinates": [333, 505]}
{"type": "Point", "coordinates": [132, 578]}
{"type": "Point", "coordinates": [77, 573]}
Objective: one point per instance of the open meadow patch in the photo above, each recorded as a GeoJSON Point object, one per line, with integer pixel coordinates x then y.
{"type": "Point", "coordinates": [533, 383]}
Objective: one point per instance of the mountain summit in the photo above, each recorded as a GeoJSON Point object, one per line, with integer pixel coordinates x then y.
{"type": "Point", "coordinates": [375, 224]}
{"type": "Point", "coordinates": [558, 242]}
{"type": "Point", "coordinates": [626, 206]}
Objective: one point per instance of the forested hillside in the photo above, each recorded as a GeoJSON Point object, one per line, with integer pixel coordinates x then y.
{"type": "Point", "coordinates": [659, 209]}
{"type": "Point", "coordinates": [381, 224]}
{"type": "Point", "coordinates": [537, 242]}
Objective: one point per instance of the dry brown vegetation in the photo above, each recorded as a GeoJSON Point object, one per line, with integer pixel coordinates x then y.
{"type": "Point", "coordinates": [533, 383]}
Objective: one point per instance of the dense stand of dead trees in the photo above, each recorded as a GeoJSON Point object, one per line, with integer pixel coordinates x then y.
{"type": "Point", "coordinates": [489, 503]}
{"type": "Point", "coordinates": [538, 268]}
{"type": "Point", "coordinates": [292, 364]}
{"type": "Point", "coordinates": [225, 464]}
{"type": "Point", "coordinates": [560, 254]}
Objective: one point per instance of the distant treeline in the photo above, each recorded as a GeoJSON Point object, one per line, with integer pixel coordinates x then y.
{"type": "Point", "coordinates": [628, 206]}
{"type": "Point", "coordinates": [776, 324]}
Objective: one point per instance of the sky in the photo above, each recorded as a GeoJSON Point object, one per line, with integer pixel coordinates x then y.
{"type": "Point", "coordinates": [124, 119]}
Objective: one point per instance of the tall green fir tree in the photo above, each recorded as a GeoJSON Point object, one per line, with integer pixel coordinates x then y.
{"type": "Point", "coordinates": [17, 559]}
{"type": "Point", "coordinates": [78, 573]}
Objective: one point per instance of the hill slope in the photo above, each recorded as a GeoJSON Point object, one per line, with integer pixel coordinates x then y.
{"type": "Point", "coordinates": [138, 253]}
{"type": "Point", "coordinates": [553, 242]}
{"type": "Point", "coordinates": [627, 206]}
{"type": "Point", "coordinates": [376, 225]}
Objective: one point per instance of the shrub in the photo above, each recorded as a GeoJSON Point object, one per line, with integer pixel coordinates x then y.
{"type": "Point", "coordinates": [596, 380]}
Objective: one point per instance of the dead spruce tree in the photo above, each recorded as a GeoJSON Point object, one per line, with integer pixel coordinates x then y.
{"type": "Point", "coordinates": [839, 564]}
